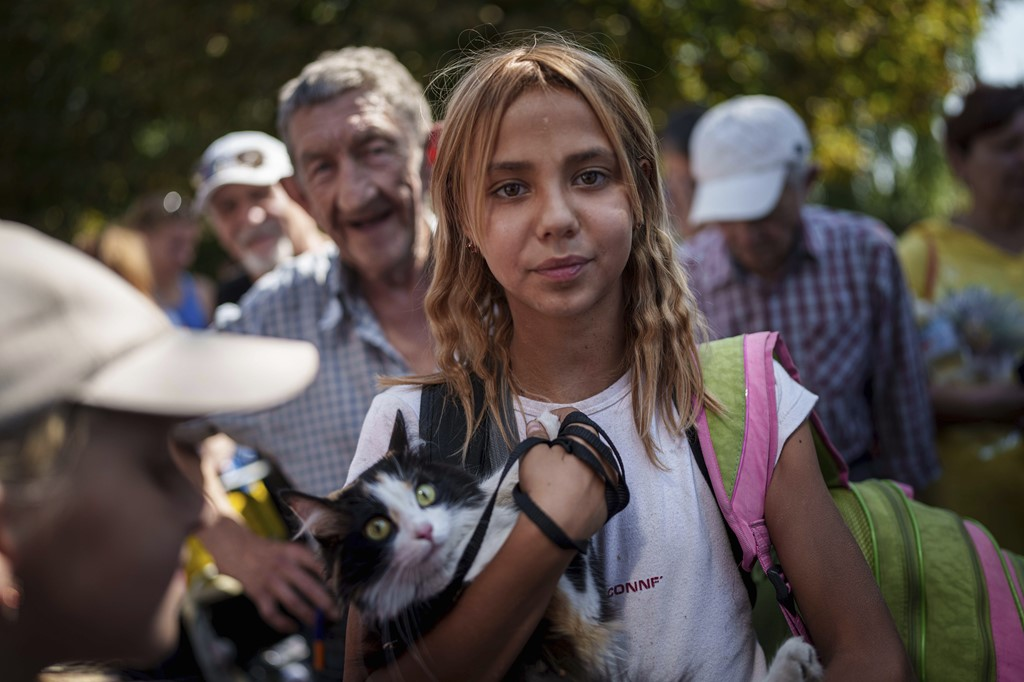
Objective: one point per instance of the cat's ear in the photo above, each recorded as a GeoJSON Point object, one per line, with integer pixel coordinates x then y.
{"type": "Point", "coordinates": [399, 436]}
{"type": "Point", "coordinates": [314, 512]}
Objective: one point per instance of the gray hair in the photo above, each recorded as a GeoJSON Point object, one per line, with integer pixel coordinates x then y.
{"type": "Point", "coordinates": [333, 74]}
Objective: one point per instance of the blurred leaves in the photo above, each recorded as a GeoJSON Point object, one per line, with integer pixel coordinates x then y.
{"type": "Point", "coordinates": [108, 99]}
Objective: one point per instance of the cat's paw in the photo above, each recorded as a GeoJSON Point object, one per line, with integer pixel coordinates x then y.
{"type": "Point", "coordinates": [796, 661]}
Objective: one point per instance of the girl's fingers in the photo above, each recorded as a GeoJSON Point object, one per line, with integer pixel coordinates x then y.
{"type": "Point", "coordinates": [535, 428]}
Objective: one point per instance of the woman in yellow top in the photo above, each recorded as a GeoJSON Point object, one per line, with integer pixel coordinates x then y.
{"type": "Point", "coordinates": [968, 276]}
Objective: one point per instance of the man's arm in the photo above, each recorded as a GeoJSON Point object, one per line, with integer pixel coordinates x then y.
{"type": "Point", "coordinates": [977, 403]}
{"type": "Point", "coordinates": [901, 406]}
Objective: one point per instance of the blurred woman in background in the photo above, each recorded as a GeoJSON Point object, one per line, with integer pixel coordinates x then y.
{"type": "Point", "coordinates": [968, 275]}
{"type": "Point", "coordinates": [171, 233]}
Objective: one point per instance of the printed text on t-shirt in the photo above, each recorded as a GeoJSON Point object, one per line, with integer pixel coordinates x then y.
{"type": "Point", "coordinates": [634, 586]}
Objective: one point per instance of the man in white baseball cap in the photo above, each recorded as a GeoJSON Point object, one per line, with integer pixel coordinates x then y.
{"type": "Point", "coordinates": [828, 280]}
{"type": "Point", "coordinates": [742, 154]}
{"type": "Point", "coordinates": [239, 189]}
{"type": "Point", "coordinates": [93, 506]}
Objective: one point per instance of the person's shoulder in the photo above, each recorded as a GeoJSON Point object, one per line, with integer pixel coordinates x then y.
{"type": "Point", "coordinates": [842, 228]}
{"type": "Point", "coordinates": [311, 267]}
{"type": "Point", "coordinates": [379, 422]}
{"type": "Point", "coordinates": [925, 229]}
{"type": "Point", "coordinates": [404, 396]}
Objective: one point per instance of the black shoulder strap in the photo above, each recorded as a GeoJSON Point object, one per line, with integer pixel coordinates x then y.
{"type": "Point", "coordinates": [443, 428]}
{"type": "Point", "coordinates": [734, 543]}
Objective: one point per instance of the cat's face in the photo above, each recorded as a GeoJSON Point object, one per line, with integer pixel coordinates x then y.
{"type": "Point", "coordinates": [393, 536]}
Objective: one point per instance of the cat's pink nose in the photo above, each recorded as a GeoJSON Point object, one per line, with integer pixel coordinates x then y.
{"type": "Point", "coordinates": [425, 531]}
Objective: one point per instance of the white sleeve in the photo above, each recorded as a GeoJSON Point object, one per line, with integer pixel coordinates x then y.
{"type": "Point", "coordinates": [375, 435]}
{"type": "Point", "coordinates": [793, 403]}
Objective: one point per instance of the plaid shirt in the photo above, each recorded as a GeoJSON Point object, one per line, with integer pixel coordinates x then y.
{"type": "Point", "coordinates": [312, 437]}
{"type": "Point", "coordinates": [844, 310]}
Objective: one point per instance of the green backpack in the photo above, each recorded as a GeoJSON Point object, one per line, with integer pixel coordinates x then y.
{"type": "Point", "coordinates": [955, 596]}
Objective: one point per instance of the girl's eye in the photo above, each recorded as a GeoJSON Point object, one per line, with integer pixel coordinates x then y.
{"type": "Point", "coordinates": [591, 177]}
{"type": "Point", "coordinates": [426, 495]}
{"type": "Point", "coordinates": [509, 190]}
{"type": "Point", "coordinates": [378, 528]}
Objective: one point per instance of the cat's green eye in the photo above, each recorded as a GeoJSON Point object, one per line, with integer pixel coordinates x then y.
{"type": "Point", "coordinates": [378, 528]}
{"type": "Point", "coordinates": [426, 495]}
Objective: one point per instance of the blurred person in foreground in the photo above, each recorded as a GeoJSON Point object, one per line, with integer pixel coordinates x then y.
{"type": "Point", "coordinates": [357, 125]}
{"type": "Point", "coordinates": [93, 504]}
{"type": "Point", "coordinates": [968, 275]}
{"type": "Point", "coordinates": [828, 280]}
{"type": "Point", "coordinates": [675, 158]}
{"type": "Point", "coordinates": [171, 233]}
{"type": "Point", "coordinates": [239, 189]}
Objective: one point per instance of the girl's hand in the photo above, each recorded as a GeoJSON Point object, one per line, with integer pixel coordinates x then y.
{"type": "Point", "coordinates": [565, 488]}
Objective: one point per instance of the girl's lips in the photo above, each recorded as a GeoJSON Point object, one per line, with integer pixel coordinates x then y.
{"type": "Point", "coordinates": [561, 269]}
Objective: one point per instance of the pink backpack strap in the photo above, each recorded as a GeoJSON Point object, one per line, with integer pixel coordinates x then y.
{"type": "Point", "coordinates": [1004, 604]}
{"type": "Point", "coordinates": [743, 509]}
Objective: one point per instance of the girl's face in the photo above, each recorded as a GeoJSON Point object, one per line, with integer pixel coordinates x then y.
{"type": "Point", "coordinates": [557, 222]}
{"type": "Point", "coordinates": [100, 567]}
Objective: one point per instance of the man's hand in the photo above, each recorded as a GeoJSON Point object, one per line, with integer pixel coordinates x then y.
{"type": "Point", "coordinates": [281, 578]}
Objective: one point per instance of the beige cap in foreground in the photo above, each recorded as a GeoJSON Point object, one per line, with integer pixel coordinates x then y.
{"type": "Point", "coordinates": [72, 330]}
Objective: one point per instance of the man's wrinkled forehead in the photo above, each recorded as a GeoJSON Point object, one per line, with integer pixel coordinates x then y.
{"type": "Point", "coordinates": [357, 114]}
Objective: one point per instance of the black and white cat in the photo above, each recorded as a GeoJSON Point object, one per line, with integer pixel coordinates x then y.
{"type": "Point", "coordinates": [392, 539]}
{"type": "Point", "coordinates": [391, 542]}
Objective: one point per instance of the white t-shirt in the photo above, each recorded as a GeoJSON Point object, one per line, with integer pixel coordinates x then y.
{"type": "Point", "coordinates": [668, 565]}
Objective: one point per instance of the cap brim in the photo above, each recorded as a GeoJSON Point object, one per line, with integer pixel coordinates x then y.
{"type": "Point", "coordinates": [236, 175]}
{"type": "Point", "coordinates": [191, 374]}
{"type": "Point", "coordinates": [749, 196]}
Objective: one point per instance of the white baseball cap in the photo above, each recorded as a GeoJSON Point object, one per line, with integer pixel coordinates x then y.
{"type": "Point", "coordinates": [73, 331]}
{"type": "Point", "coordinates": [740, 155]}
{"type": "Point", "coordinates": [246, 157]}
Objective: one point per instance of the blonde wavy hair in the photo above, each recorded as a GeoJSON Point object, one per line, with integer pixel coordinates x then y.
{"type": "Point", "coordinates": [467, 309]}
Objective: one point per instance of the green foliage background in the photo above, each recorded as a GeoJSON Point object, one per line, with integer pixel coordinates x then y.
{"type": "Point", "coordinates": [106, 99]}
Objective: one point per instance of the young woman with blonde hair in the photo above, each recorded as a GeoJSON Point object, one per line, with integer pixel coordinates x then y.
{"type": "Point", "coordinates": [555, 284]}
